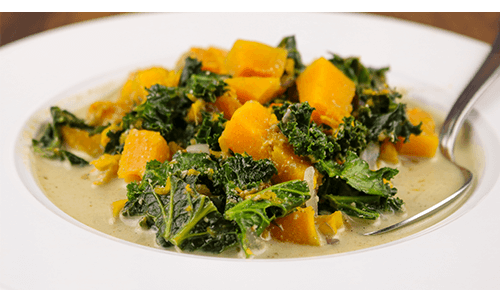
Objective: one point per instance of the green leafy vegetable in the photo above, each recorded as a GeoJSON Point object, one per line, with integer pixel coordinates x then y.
{"type": "Point", "coordinates": [192, 66]}
{"type": "Point", "coordinates": [211, 128]}
{"type": "Point", "coordinates": [384, 117]}
{"type": "Point", "coordinates": [201, 84]}
{"type": "Point", "coordinates": [257, 210]}
{"type": "Point", "coordinates": [166, 108]}
{"type": "Point", "coordinates": [240, 175]}
{"type": "Point", "coordinates": [169, 198]}
{"type": "Point", "coordinates": [164, 111]}
{"type": "Point", "coordinates": [305, 136]}
{"type": "Point", "coordinates": [290, 45]}
{"type": "Point", "coordinates": [375, 103]}
{"type": "Point", "coordinates": [355, 189]}
{"type": "Point", "coordinates": [362, 76]}
{"type": "Point", "coordinates": [50, 144]}
{"type": "Point", "coordinates": [207, 86]}
{"type": "Point", "coordinates": [309, 139]}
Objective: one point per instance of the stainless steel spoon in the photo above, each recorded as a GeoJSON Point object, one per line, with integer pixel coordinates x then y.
{"type": "Point", "coordinates": [485, 76]}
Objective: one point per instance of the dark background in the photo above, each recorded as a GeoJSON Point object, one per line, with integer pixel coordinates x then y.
{"type": "Point", "coordinates": [478, 25]}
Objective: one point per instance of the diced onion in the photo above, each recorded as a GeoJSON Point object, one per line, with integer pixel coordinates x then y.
{"type": "Point", "coordinates": [198, 148]}
{"type": "Point", "coordinates": [309, 178]}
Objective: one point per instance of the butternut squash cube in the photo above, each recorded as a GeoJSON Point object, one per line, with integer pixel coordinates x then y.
{"type": "Point", "coordinates": [227, 104]}
{"type": "Point", "coordinates": [247, 131]}
{"type": "Point", "coordinates": [80, 140]}
{"type": "Point", "coordinates": [140, 147]}
{"type": "Point", "coordinates": [212, 59]}
{"type": "Point", "coordinates": [425, 144]}
{"type": "Point", "coordinates": [258, 89]}
{"type": "Point", "coordinates": [298, 227]}
{"type": "Point", "coordinates": [134, 90]}
{"type": "Point", "coordinates": [328, 225]}
{"type": "Point", "coordinates": [108, 165]}
{"type": "Point", "coordinates": [328, 90]}
{"type": "Point", "coordinates": [117, 207]}
{"type": "Point", "coordinates": [249, 58]}
{"type": "Point", "coordinates": [388, 152]}
{"type": "Point", "coordinates": [104, 112]}
{"type": "Point", "coordinates": [289, 165]}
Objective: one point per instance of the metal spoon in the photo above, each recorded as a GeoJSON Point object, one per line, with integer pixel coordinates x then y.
{"type": "Point", "coordinates": [485, 76]}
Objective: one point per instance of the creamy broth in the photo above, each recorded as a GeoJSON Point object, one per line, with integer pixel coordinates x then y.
{"type": "Point", "coordinates": [421, 183]}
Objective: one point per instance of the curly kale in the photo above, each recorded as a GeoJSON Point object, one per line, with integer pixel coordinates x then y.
{"type": "Point", "coordinates": [375, 104]}
{"type": "Point", "coordinates": [305, 136]}
{"type": "Point", "coordinates": [50, 143]}
{"type": "Point", "coordinates": [210, 129]}
{"type": "Point", "coordinates": [290, 45]}
{"type": "Point", "coordinates": [384, 117]}
{"type": "Point", "coordinates": [309, 139]}
{"type": "Point", "coordinates": [173, 198]}
{"type": "Point", "coordinates": [176, 198]}
{"type": "Point", "coordinates": [348, 184]}
{"type": "Point", "coordinates": [362, 76]}
{"type": "Point", "coordinates": [241, 174]}
{"type": "Point", "coordinates": [256, 212]}
{"type": "Point", "coordinates": [164, 111]}
{"type": "Point", "coordinates": [166, 108]}
{"type": "Point", "coordinates": [201, 84]}
{"type": "Point", "coordinates": [350, 136]}
{"type": "Point", "coordinates": [356, 190]}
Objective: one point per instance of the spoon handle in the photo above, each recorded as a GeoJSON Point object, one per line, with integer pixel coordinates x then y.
{"type": "Point", "coordinates": [479, 83]}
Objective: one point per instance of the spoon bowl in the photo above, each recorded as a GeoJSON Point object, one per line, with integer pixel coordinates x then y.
{"type": "Point", "coordinates": [482, 80]}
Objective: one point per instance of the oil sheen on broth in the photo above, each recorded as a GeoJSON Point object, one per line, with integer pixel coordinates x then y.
{"type": "Point", "coordinates": [421, 183]}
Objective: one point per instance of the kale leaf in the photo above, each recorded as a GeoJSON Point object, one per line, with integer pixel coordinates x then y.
{"type": "Point", "coordinates": [201, 84]}
{"type": "Point", "coordinates": [50, 143]}
{"type": "Point", "coordinates": [164, 111]}
{"type": "Point", "coordinates": [192, 66]}
{"type": "Point", "coordinates": [210, 129]}
{"type": "Point", "coordinates": [350, 136]}
{"type": "Point", "coordinates": [375, 104]}
{"type": "Point", "coordinates": [355, 189]}
{"type": "Point", "coordinates": [257, 210]}
{"type": "Point", "coordinates": [207, 86]}
{"type": "Point", "coordinates": [173, 198]}
{"type": "Point", "coordinates": [305, 136]}
{"type": "Point", "coordinates": [362, 76]}
{"type": "Point", "coordinates": [309, 139]}
{"type": "Point", "coordinates": [384, 117]}
{"type": "Point", "coordinates": [166, 108]}
{"type": "Point", "coordinates": [239, 175]}
{"type": "Point", "coordinates": [290, 45]}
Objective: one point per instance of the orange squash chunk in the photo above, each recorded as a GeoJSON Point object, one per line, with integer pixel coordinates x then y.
{"type": "Point", "coordinates": [80, 140]}
{"type": "Point", "coordinates": [425, 144]}
{"type": "Point", "coordinates": [140, 147]}
{"type": "Point", "coordinates": [298, 227]}
{"type": "Point", "coordinates": [388, 152]}
{"type": "Point", "coordinates": [328, 225]}
{"type": "Point", "coordinates": [289, 165]}
{"type": "Point", "coordinates": [328, 90]}
{"type": "Point", "coordinates": [134, 90]}
{"type": "Point", "coordinates": [227, 104]}
{"type": "Point", "coordinates": [247, 131]}
{"type": "Point", "coordinates": [258, 89]}
{"type": "Point", "coordinates": [117, 207]}
{"type": "Point", "coordinates": [108, 166]}
{"type": "Point", "coordinates": [212, 59]}
{"type": "Point", "coordinates": [105, 112]}
{"type": "Point", "coordinates": [249, 58]}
